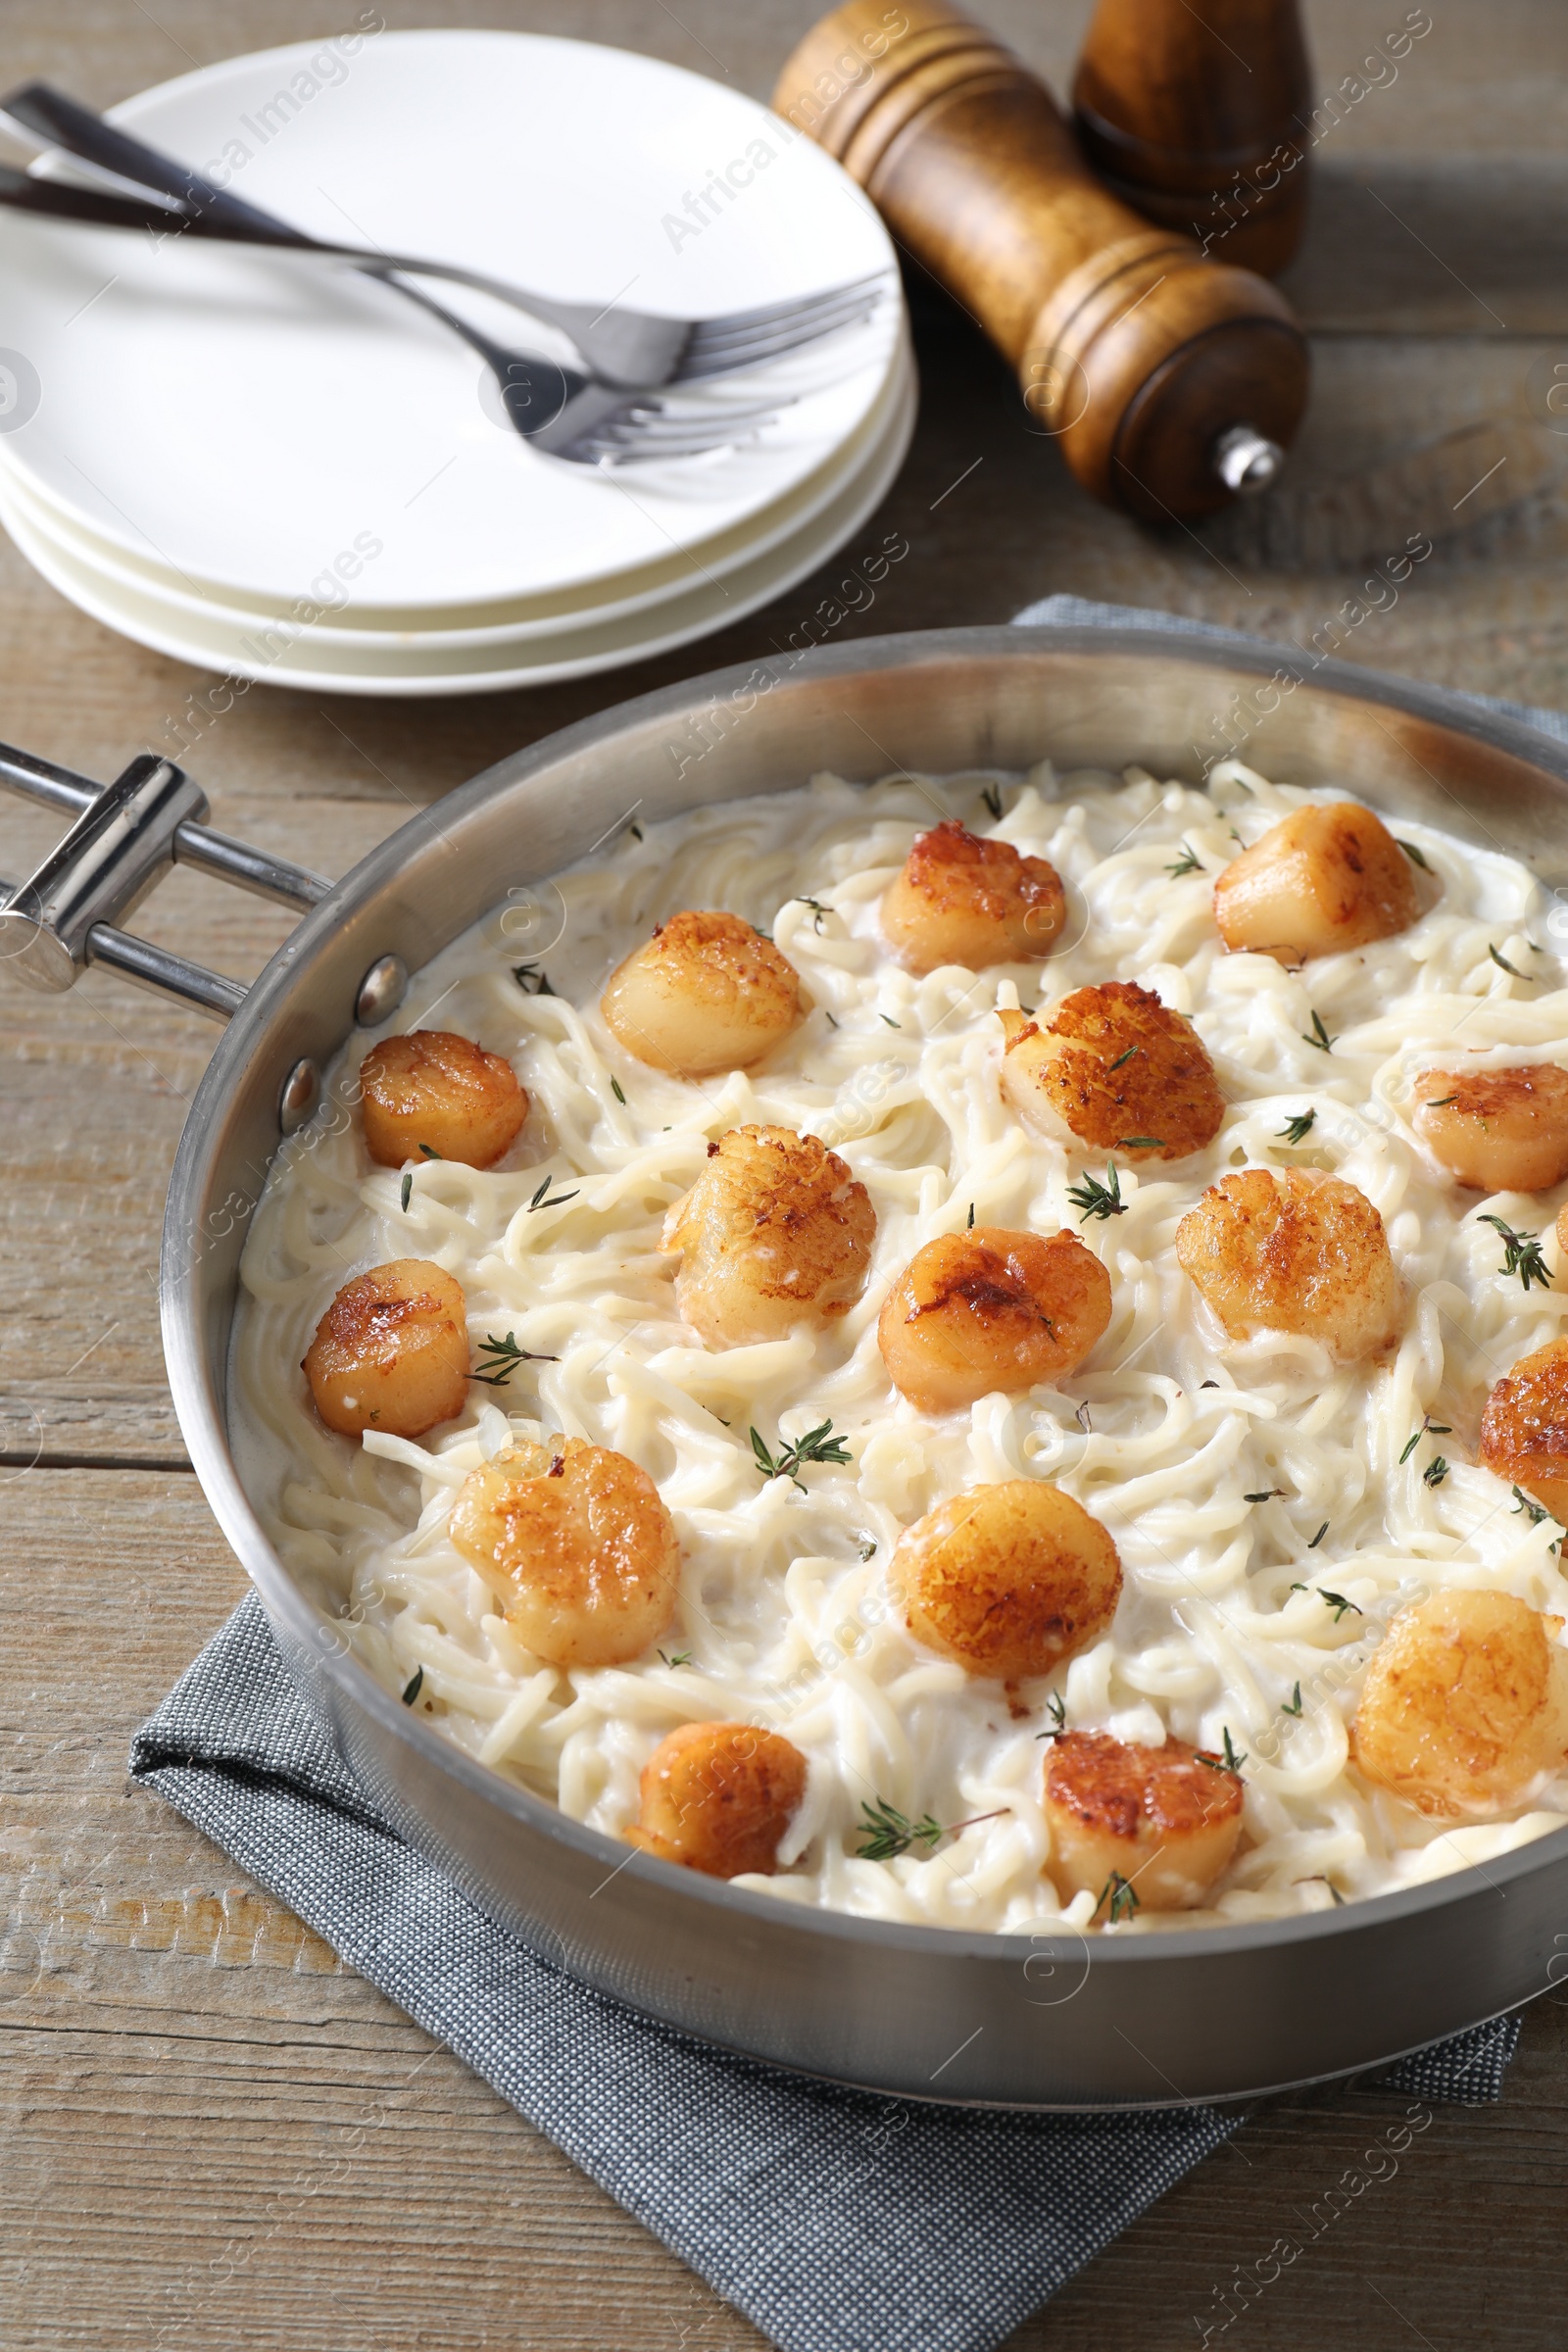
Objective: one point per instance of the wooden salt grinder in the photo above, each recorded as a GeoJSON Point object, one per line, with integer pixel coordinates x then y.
{"type": "Point", "coordinates": [1171, 382]}
{"type": "Point", "coordinates": [1196, 119]}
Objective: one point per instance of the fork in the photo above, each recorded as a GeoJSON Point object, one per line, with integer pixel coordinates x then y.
{"type": "Point", "coordinates": [633, 351]}
{"type": "Point", "coordinates": [590, 423]}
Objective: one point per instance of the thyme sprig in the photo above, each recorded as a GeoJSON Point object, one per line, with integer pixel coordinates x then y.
{"type": "Point", "coordinates": [1298, 1127]}
{"type": "Point", "coordinates": [1122, 1895]}
{"type": "Point", "coordinates": [1534, 1511]}
{"type": "Point", "coordinates": [411, 1691]}
{"type": "Point", "coordinates": [1057, 1709]}
{"type": "Point", "coordinates": [1436, 1471]}
{"type": "Point", "coordinates": [991, 794]}
{"type": "Point", "coordinates": [1186, 863]}
{"type": "Point", "coordinates": [1504, 965]}
{"type": "Point", "coordinates": [540, 1199]}
{"type": "Point", "coordinates": [406, 1190]}
{"type": "Point", "coordinates": [885, 1832]}
{"type": "Point", "coordinates": [1094, 1200]}
{"type": "Point", "coordinates": [817, 1445]}
{"type": "Point", "coordinates": [1120, 1058]}
{"type": "Point", "coordinates": [533, 979]}
{"type": "Point", "coordinates": [1292, 1704]}
{"type": "Point", "coordinates": [505, 1357]}
{"type": "Point", "coordinates": [1521, 1254]}
{"type": "Point", "coordinates": [682, 1657]}
{"type": "Point", "coordinates": [1228, 1760]}
{"type": "Point", "coordinates": [1417, 857]}
{"type": "Point", "coordinates": [1265, 1494]}
{"type": "Point", "coordinates": [1140, 1143]}
{"type": "Point", "coordinates": [817, 911]}
{"type": "Point", "coordinates": [1435, 1429]}
{"type": "Point", "coordinates": [1336, 1601]}
{"type": "Point", "coordinates": [1319, 1037]}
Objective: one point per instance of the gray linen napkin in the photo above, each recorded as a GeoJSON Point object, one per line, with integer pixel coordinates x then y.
{"type": "Point", "coordinates": [837, 2221]}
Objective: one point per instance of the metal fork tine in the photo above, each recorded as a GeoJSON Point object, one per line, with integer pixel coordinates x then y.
{"type": "Point", "coordinates": [820, 323]}
{"type": "Point", "coordinates": [753, 354]}
{"type": "Point", "coordinates": [773, 314]}
{"type": "Point", "coordinates": [631, 440]}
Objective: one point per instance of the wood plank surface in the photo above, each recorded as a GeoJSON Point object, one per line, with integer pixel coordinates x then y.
{"type": "Point", "coordinates": [211, 2134]}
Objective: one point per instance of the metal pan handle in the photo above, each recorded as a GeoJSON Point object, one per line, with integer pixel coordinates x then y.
{"type": "Point", "coordinates": [126, 837]}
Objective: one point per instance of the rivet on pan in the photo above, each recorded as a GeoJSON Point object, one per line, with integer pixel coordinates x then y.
{"type": "Point", "coordinates": [381, 991]}
{"type": "Point", "coordinates": [301, 1092]}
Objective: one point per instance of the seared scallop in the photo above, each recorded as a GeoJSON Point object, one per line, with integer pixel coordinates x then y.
{"type": "Point", "coordinates": [439, 1094]}
{"type": "Point", "coordinates": [707, 993]}
{"type": "Point", "coordinates": [1116, 1068]}
{"type": "Point", "coordinates": [578, 1545]}
{"type": "Point", "coordinates": [967, 901]}
{"type": "Point", "coordinates": [718, 1797]}
{"type": "Point", "coordinates": [1523, 1429]}
{"type": "Point", "coordinates": [775, 1232]}
{"type": "Point", "coordinates": [987, 1309]}
{"type": "Point", "coordinates": [391, 1352]}
{"type": "Point", "coordinates": [1501, 1131]}
{"type": "Point", "coordinates": [1299, 1253]}
{"type": "Point", "coordinates": [1010, 1579]}
{"type": "Point", "coordinates": [1465, 1705]}
{"type": "Point", "coordinates": [1163, 1820]}
{"type": "Point", "coordinates": [1327, 877]}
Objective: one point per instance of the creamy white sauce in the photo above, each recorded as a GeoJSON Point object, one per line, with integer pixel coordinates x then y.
{"type": "Point", "coordinates": [784, 1610]}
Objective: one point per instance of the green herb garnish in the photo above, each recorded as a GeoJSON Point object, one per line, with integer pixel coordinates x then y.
{"type": "Point", "coordinates": [430, 1152]}
{"type": "Point", "coordinates": [1437, 1429]}
{"type": "Point", "coordinates": [885, 1832]}
{"type": "Point", "coordinates": [1296, 1129]}
{"type": "Point", "coordinates": [1186, 863]}
{"type": "Point", "coordinates": [1521, 1254]}
{"type": "Point", "coordinates": [991, 797]}
{"type": "Point", "coordinates": [1057, 1709]}
{"type": "Point", "coordinates": [1266, 1495]}
{"type": "Point", "coordinates": [1319, 1037]}
{"type": "Point", "coordinates": [817, 1445]}
{"type": "Point", "coordinates": [1121, 1057]}
{"type": "Point", "coordinates": [1336, 1601]}
{"type": "Point", "coordinates": [407, 1188]}
{"type": "Point", "coordinates": [1230, 1761]}
{"type": "Point", "coordinates": [682, 1657]}
{"type": "Point", "coordinates": [1292, 1705]}
{"type": "Point", "coordinates": [1504, 965]}
{"type": "Point", "coordinates": [1122, 1895]}
{"type": "Point", "coordinates": [533, 979]}
{"type": "Point", "coordinates": [539, 1199]}
{"type": "Point", "coordinates": [505, 1357]}
{"type": "Point", "coordinates": [969, 1228]}
{"type": "Point", "coordinates": [411, 1691]}
{"type": "Point", "coordinates": [1318, 1537]}
{"type": "Point", "coordinates": [817, 909]}
{"type": "Point", "coordinates": [1093, 1200]}
{"type": "Point", "coordinates": [1417, 857]}
{"type": "Point", "coordinates": [890, 1022]}
{"type": "Point", "coordinates": [1140, 1143]}
{"type": "Point", "coordinates": [615, 1088]}
{"type": "Point", "coordinates": [1435, 1472]}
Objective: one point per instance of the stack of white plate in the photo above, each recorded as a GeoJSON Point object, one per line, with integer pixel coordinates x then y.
{"type": "Point", "coordinates": [279, 468]}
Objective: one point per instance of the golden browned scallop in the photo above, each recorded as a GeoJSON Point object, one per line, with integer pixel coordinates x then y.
{"type": "Point", "coordinates": [967, 901]}
{"type": "Point", "coordinates": [1114, 1068]}
{"type": "Point", "coordinates": [1501, 1131]}
{"type": "Point", "coordinates": [442, 1092]}
{"type": "Point", "coordinates": [973, 1312]}
{"type": "Point", "coordinates": [1465, 1705]}
{"type": "Point", "coordinates": [1299, 1253]}
{"type": "Point", "coordinates": [775, 1232]}
{"type": "Point", "coordinates": [391, 1352]}
{"type": "Point", "coordinates": [578, 1545]}
{"type": "Point", "coordinates": [718, 1797]}
{"type": "Point", "coordinates": [1327, 876]}
{"type": "Point", "coordinates": [1523, 1429]}
{"type": "Point", "coordinates": [1166, 1820]}
{"type": "Point", "coordinates": [1010, 1579]}
{"type": "Point", "coordinates": [705, 992]}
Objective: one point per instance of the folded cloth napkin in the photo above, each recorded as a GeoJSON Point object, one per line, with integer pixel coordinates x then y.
{"type": "Point", "coordinates": [836, 2220]}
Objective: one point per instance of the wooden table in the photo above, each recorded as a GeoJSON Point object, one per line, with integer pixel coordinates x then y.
{"type": "Point", "coordinates": [191, 2080]}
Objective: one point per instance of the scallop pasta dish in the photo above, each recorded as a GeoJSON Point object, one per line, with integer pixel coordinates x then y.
{"type": "Point", "coordinates": [980, 1352]}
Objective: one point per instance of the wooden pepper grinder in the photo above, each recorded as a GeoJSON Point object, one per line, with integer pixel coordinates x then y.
{"type": "Point", "coordinates": [1171, 382]}
{"type": "Point", "coordinates": [1196, 119]}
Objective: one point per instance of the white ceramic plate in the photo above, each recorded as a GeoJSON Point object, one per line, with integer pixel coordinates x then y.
{"type": "Point", "coordinates": [391, 669]}
{"type": "Point", "coordinates": [343, 626]}
{"type": "Point", "coordinates": [246, 421]}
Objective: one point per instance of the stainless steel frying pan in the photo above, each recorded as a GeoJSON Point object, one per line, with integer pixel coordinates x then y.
{"type": "Point", "coordinates": [1047, 2021]}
